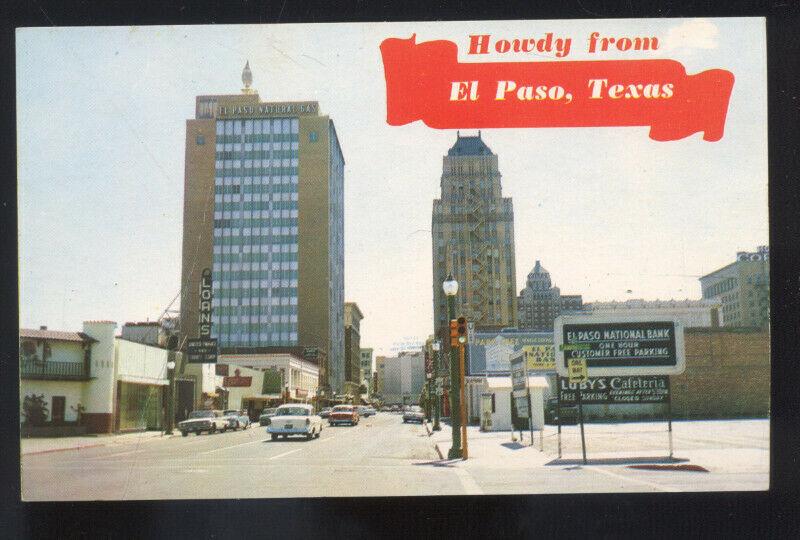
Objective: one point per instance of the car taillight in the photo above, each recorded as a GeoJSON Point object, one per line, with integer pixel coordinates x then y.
{"type": "Point", "coordinates": [308, 421]}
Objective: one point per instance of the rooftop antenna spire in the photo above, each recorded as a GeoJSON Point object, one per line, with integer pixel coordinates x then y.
{"type": "Point", "coordinates": [247, 79]}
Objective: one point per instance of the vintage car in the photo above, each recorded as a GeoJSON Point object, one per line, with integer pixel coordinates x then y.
{"type": "Point", "coordinates": [235, 420]}
{"type": "Point", "coordinates": [343, 414]}
{"type": "Point", "coordinates": [295, 419]}
{"type": "Point", "coordinates": [206, 420]}
{"type": "Point", "coordinates": [413, 414]}
{"type": "Point", "coordinates": [366, 411]}
{"type": "Point", "coordinates": [266, 414]}
{"type": "Point", "coordinates": [324, 413]}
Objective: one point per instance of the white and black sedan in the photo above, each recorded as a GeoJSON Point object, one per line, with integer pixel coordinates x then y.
{"type": "Point", "coordinates": [295, 419]}
{"type": "Point", "coordinates": [413, 414]}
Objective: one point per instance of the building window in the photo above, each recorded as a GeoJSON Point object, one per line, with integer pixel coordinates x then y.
{"type": "Point", "coordinates": [200, 139]}
{"type": "Point", "coordinates": [313, 136]}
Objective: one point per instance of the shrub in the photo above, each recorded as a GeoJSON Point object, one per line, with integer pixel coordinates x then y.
{"type": "Point", "coordinates": [34, 408]}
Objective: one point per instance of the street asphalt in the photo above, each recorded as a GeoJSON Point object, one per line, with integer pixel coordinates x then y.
{"type": "Point", "coordinates": [382, 456]}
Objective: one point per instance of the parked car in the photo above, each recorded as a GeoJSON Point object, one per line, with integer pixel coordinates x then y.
{"type": "Point", "coordinates": [266, 414]}
{"type": "Point", "coordinates": [235, 420]}
{"type": "Point", "coordinates": [324, 412]}
{"type": "Point", "coordinates": [295, 419]}
{"type": "Point", "coordinates": [569, 413]}
{"type": "Point", "coordinates": [343, 414]}
{"type": "Point", "coordinates": [204, 420]}
{"type": "Point", "coordinates": [413, 414]}
{"type": "Point", "coordinates": [366, 411]}
{"type": "Point", "coordinates": [244, 419]}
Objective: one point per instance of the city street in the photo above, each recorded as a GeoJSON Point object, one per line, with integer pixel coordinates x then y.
{"type": "Point", "coordinates": [382, 456]}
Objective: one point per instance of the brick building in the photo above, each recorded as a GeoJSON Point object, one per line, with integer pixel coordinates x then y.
{"type": "Point", "coordinates": [727, 374]}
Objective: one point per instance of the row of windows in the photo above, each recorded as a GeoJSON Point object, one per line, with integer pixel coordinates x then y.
{"type": "Point", "coordinates": [276, 275]}
{"type": "Point", "coordinates": [259, 138]}
{"type": "Point", "coordinates": [278, 235]}
{"type": "Point", "coordinates": [228, 327]}
{"type": "Point", "coordinates": [234, 315]}
{"type": "Point", "coordinates": [244, 223]}
{"type": "Point", "coordinates": [280, 292]}
{"type": "Point", "coordinates": [251, 309]}
{"type": "Point", "coordinates": [245, 181]}
{"type": "Point", "coordinates": [236, 188]}
{"type": "Point", "coordinates": [236, 266]}
{"type": "Point", "coordinates": [255, 257]}
{"type": "Point", "coordinates": [285, 170]}
{"type": "Point", "coordinates": [256, 205]}
{"type": "Point", "coordinates": [266, 197]}
{"type": "Point", "coordinates": [257, 154]}
{"type": "Point", "coordinates": [244, 299]}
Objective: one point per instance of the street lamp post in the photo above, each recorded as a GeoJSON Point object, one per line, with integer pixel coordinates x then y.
{"type": "Point", "coordinates": [172, 345]}
{"type": "Point", "coordinates": [438, 402]}
{"type": "Point", "coordinates": [450, 287]}
{"type": "Point", "coordinates": [170, 420]}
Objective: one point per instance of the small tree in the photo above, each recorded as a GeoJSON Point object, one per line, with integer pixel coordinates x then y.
{"type": "Point", "coordinates": [34, 408]}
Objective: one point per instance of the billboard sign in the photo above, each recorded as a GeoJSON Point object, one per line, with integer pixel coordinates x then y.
{"type": "Point", "coordinates": [491, 352]}
{"type": "Point", "coordinates": [634, 389]}
{"type": "Point", "coordinates": [614, 345]}
{"type": "Point", "coordinates": [237, 380]}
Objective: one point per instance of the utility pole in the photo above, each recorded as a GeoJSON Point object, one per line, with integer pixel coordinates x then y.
{"type": "Point", "coordinates": [461, 384]}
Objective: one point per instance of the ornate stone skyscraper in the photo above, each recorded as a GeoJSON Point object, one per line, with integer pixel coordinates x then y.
{"type": "Point", "coordinates": [540, 302]}
{"type": "Point", "coordinates": [473, 237]}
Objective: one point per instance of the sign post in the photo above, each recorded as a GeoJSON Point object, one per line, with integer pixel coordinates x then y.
{"type": "Point", "coordinates": [669, 417]}
{"type": "Point", "coordinates": [578, 374]}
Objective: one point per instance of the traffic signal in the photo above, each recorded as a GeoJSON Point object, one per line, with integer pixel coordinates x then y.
{"type": "Point", "coordinates": [461, 329]}
{"type": "Point", "coordinates": [454, 333]}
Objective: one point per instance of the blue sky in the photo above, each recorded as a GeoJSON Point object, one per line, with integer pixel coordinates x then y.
{"type": "Point", "coordinates": [101, 122]}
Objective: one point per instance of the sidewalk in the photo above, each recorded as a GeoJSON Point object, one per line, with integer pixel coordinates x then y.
{"type": "Point", "coordinates": [45, 445]}
{"type": "Point", "coordinates": [493, 448]}
{"type": "Point", "coordinates": [722, 446]}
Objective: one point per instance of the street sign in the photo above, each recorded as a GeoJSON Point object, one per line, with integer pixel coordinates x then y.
{"type": "Point", "coordinates": [577, 370]}
{"type": "Point", "coordinates": [540, 357]}
{"type": "Point", "coordinates": [616, 390]}
{"type": "Point", "coordinates": [617, 345]}
{"type": "Point", "coordinates": [201, 351]}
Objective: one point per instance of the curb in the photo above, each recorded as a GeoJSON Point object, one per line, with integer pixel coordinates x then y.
{"type": "Point", "coordinates": [63, 449]}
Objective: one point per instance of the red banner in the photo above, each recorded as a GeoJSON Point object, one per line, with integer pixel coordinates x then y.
{"type": "Point", "coordinates": [426, 82]}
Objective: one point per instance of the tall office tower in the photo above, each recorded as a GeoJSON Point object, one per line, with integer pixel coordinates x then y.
{"type": "Point", "coordinates": [473, 237]}
{"type": "Point", "coordinates": [264, 211]}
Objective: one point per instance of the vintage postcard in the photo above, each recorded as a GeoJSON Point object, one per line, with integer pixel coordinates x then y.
{"type": "Point", "coordinates": [392, 259]}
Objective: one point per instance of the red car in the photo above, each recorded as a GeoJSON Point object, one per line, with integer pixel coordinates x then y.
{"type": "Point", "coordinates": [343, 414]}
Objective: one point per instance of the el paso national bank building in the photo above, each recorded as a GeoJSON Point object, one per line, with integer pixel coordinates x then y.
{"type": "Point", "coordinates": [264, 210]}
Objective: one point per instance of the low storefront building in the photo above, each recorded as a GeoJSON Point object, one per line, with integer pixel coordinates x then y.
{"type": "Point", "coordinates": [496, 403]}
{"type": "Point", "coordinates": [268, 379]}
